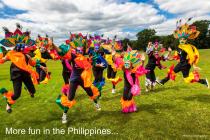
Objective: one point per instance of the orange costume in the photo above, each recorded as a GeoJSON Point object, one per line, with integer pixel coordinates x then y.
{"type": "Point", "coordinates": [20, 69]}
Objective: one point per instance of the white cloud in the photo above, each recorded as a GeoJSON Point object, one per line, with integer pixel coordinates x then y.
{"type": "Point", "coordinates": [168, 26]}
{"type": "Point", "coordinates": [109, 17]}
{"type": "Point", "coordinates": [183, 9]}
{"type": "Point", "coordinates": [57, 18]}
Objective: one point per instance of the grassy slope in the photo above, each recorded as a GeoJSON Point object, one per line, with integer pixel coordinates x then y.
{"type": "Point", "coordinates": [169, 112]}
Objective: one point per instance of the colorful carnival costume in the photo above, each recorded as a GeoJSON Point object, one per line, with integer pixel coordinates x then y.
{"type": "Point", "coordinates": [67, 69]}
{"type": "Point", "coordinates": [188, 56]}
{"type": "Point", "coordinates": [154, 52]}
{"type": "Point", "coordinates": [1, 52]}
{"type": "Point", "coordinates": [42, 54]}
{"type": "Point", "coordinates": [80, 76]}
{"type": "Point", "coordinates": [65, 61]}
{"type": "Point", "coordinates": [132, 71]}
{"type": "Point", "coordinates": [66, 73]}
{"type": "Point", "coordinates": [20, 69]}
{"type": "Point", "coordinates": [7, 95]}
{"type": "Point", "coordinates": [114, 60]}
{"type": "Point", "coordinates": [65, 55]}
{"type": "Point", "coordinates": [96, 53]}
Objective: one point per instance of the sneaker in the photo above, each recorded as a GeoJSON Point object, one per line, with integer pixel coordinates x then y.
{"type": "Point", "coordinates": [8, 108]}
{"type": "Point", "coordinates": [147, 89]}
{"type": "Point", "coordinates": [45, 81]}
{"type": "Point", "coordinates": [113, 91]}
{"type": "Point", "coordinates": [32, 95]}
{"type": "Point", "coordinates": [152, 87]}
{"type": "Point", "coordinates": [98, 108]}
{"type": "Point", "coordinates": [207, 83]}
{"type": "Point", "coordinates": [159, 82]}
{"type": "Point", "coordinates": [64, 118]}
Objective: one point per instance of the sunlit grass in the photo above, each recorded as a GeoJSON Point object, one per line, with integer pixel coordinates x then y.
{"type": "Point", "coordinates": [174, 111]}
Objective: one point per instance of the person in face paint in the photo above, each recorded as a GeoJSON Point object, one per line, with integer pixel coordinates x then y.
{"type": "Point", "coordinates": [113, 55]}
{"type": "Point", "coordinates": [98, 64]}
{"type": "Point", "coordinates": [20, 70]}
{"type": "Point", "coordinates": [155, 56]}
{"type": "Point", "coordinates": [43, 54]}
{"type": "Point", "coordinates": [80, 76]}
{"type": "Point", "coordinates": [188, 56]}
{"type": "Point", "coordinates": [132, 70]}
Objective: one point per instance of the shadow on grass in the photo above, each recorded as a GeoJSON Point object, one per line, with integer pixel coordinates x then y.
{"type": "Point", "coordinates": [162, 88]}
{"type": "Point", "coordinates": [199, 97]}
{"type": "Point", "coordinates": [154, 108]}
{"type": "Point", "coordinates": [78, 117]}
{"type": "Point", "coordinates": [108, 98]}
{"type": "Point", "coordinates": [116, 116]}
{"type": "Point", "coordinates": [4, 77]}
{"type": "Point", "coordinates": [104, 96]}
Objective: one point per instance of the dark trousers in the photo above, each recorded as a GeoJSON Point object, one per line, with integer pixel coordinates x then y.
{"type": "Point", "coordinates": [151, 75]}
{"type": "Point", "coordinates": [185, 69]}
{"type": "Point", "coordinates": [17, 85]}
{"type": "Point", "coordinates": [42, 74]}
{"type": "Point", "coordinates": [127, 95]}
{"type": "Point", "coordinates": [98, 74]}
{"type": "Point", "coordinates": [111, 73]}
{"type": "Point", "coordinates": [66, 75]}
{"type": "Point", "coordinates": [73, 87]}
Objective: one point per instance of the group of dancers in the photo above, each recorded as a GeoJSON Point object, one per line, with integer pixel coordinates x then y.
{"type": "Point", "coordinates": [84, 55]}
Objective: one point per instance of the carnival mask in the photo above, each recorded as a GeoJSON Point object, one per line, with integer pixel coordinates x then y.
{"type": "Point", "coordinates": [42, 49]}
{"type": "Point", "coordinates": [97, 48]}
{"type": "Point", "coordinates": [182, 41]}
{"type": "Point", "coordinates": [20, 46]}
{"type": "Point", "coordinates": [127, 64]}
{"type": "Point", "coordinates": [79, 50]}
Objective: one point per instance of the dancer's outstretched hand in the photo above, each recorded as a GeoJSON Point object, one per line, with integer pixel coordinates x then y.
{"type": "Point", "coordinates": [101, 64]}
{"type": "Point", "coordinates": [169, 49]}
{"type": "Point", "coordinates": [196, 68]}
{"type": "Point", "coordinates": [44, 68]}
{"type": "Point", "coordinates": [142, 57]}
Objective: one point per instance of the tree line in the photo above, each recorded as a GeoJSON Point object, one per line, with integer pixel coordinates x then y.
{"type": "Point", "coordinates": [146, 35]}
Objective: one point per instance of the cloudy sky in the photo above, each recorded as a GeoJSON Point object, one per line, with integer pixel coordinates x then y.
{"type": "Point", "coordinates": [121, 17]}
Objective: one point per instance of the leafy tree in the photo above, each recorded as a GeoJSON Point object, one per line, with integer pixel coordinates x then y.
{"type": "Point", "coordinates": [144, 37]}
{"type": "Point", "coordinates": [202, 41]}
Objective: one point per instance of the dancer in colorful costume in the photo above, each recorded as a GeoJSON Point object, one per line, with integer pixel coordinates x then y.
{"type": "Point", "coordinates": [7, 95]}
{"type": "Point", "coordinates": [132, 71]}
{"type": "Point", "coordinates": [155, 56]}
{"type": "Point", "coordinates": [66, 73]}
{"type": "Point", "coordinates": [66, 63]}
{"type": "Point", "coordinates": [114, 60]}
{"type": "Point", "coordinates": [42, 54]}
{"type": "Point", "coordinates": [81, 75]}
{"type": "Point", "coordinates": [96, 54]}
{"type": "Point", "coordinates": [187, 54]}
{"type": "Point", "coordinates": [20, 69]}
{"type": "Point", "coordinates": [65, 51]}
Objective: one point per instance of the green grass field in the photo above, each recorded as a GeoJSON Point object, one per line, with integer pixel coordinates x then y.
{"type": "Point", "coordinates": [174, 111]}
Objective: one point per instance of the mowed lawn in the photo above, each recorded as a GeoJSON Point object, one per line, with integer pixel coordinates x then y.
{"type": "Point", "coordinates": [174, 111]}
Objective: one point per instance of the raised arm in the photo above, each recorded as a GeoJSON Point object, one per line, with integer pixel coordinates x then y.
{"type": "Point", "coordinates": [4, 59]}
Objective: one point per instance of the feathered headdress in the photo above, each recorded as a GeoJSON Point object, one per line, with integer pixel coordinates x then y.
{"type": "Point", "coordinates": [78, 41]}
{"type": "Point", "coordinates": [18, 37]}
{"type": "Point", "coordinates": [43, 41]}
{"type": "Point", "coordinates": [155, 47]}
{"type": "Point", "coordinates": [185, 31]}
{"type": "Point", "coordinates": [118, 46]}
{"type": "Point", "coordinates": [95, 43]}
{"type": "Point", "coordinates": [75, 40]}
{"type": "Point", "coordinates": [132, 56]}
